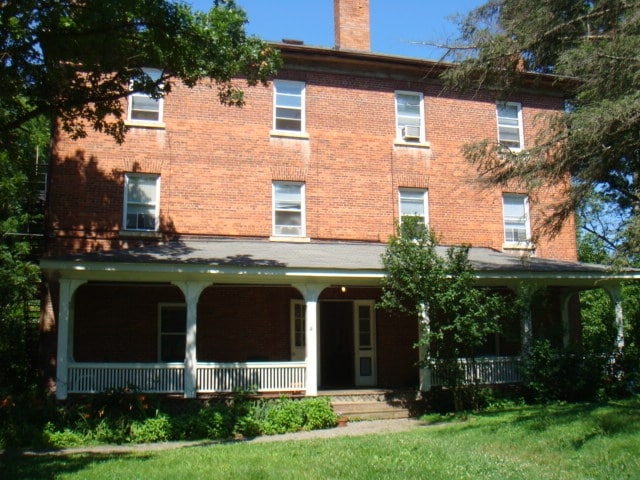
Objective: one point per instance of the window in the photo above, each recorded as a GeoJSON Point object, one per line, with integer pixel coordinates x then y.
{"type": "Point", "coordinates": [173, 333]}
{"type": "Point", "coordinates": [510, 125]}
{"type": "Point", "coordinates": [516, 218]}
{"type": "Point", "coordinates": [288, 106]}
{"type": "Point", "coordinates": [141, 201]}
{"type": "Point", "coordinates": [142, 108]}
{"type": "Point", "coordinates": [288, 209]}
{"type": "Point", "coordinates": [413, 203]}
{"type": "Point", "coordinates": [410, 117]}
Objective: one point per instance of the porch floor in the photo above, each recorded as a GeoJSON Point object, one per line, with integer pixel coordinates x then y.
{"type": "Point", "coordinates": [373, 403]}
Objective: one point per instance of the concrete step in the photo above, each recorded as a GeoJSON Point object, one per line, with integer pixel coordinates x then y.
{"type": "Point", "coordinates": [370, 410]}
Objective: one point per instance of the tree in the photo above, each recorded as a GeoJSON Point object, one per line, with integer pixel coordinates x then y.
{"type": "Point", "coordinates": [20, 240]}
{"type": "Point", "coordinates": [456, 317]}
{"type": "Point", "coordinates": [591, 48]}
{"type": "Point", "coordinates": [76, 60]}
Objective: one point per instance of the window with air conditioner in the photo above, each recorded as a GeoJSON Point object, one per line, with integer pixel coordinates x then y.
{"type": "Point", "coordinates": [288, 209]}
{"type": "Point", "coordinates": [410, 117]}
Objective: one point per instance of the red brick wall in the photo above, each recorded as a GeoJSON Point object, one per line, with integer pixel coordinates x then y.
{"type": "Point", "coordinates": [217, 165]}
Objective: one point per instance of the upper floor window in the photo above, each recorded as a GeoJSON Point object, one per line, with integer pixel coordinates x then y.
{"type": "Point", "coordinates": [288, 209]}
{"type": "Point", "coordinates": [173, 333]}
{"type": "Point", "coordinates": [413, 203]}
{"type": "Point", "coordinates": [288, 111]}
{"type": "Point", "coordinates": [143, 108]}
{"type": "Point", "coordinates": [141, 201]}
{"type": "Point", "coordinates": [410, 117]}
{"type": "Point", "coordinates": [516, 218]}
{"type": "Point", "coordinates": [510, 125]}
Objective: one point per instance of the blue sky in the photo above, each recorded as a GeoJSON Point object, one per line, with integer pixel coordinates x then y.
{"type": "Point", "coordinates": [394, 23]}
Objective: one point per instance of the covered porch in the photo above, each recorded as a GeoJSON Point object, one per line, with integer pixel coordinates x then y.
{"type": "Point", "coordinates": [266, 317]}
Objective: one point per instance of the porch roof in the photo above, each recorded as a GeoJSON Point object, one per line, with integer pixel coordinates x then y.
{"type": "Point", "coordinates": [268, 261]}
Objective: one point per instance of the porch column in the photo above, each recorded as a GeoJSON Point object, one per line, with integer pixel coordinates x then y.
{"type": "Point", "coordinates": [526, 292]}
{"type": "Point", "coordinates": [425, 371]}
{"type": "Point", "coordinates": [615, 292]}
{"type": "Point", "coordinates": [311, 294]}
{"type": "Point", "coordinates": [67, 288]}
{"type": "Point", "coordinates": [566, 329]}
{"type": "Point", "coordinates": [191, 291]}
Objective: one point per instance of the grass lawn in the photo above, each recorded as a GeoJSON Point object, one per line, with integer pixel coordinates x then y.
{"type": "Point", "coordinates": [577, 441]}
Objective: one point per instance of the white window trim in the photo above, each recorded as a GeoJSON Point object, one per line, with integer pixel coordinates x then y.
{"type": "Point", "coordinates": [160, 333]}
{"type": "Point", "coordinates": [156, 202]}
{"type": "Point", "coordinates": [527, 244]}
{"type": "Point", "coordinates": [302, 133]}
{"type": "Point", "coordinates": [145, 123]}
{"type": "Point", "coordinates": [425, 200]}
{"type": "Point", "coordinates": [303, 219]}
{"type": "Point", "coordinates": [518, 105]}
{"type": "Point", "coordinates": [399, 138]}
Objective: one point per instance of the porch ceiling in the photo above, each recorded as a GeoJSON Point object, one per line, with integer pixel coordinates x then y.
{"type": "Point", "coordinates": [268, 262]}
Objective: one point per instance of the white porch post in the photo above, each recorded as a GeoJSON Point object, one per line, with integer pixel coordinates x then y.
{"type": "Point", "coordinates": [191, 291]}
{"type": "Point", "coordinates": [311, 294]}
{"type": "Point", "coordinates": [615, 292]}
{"type": "Point", "coordinates": [566, 328]}
{"type": "Point", "coordinates": [67, 289]}
{"type": "Point", "coordinates": [425, 371]}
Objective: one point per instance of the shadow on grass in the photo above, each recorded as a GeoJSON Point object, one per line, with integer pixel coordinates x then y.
{"type": "Point", "coordinates": [51, 466]}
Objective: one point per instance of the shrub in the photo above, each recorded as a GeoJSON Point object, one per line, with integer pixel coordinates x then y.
{"type": "Point", "coordinates": [157, 429]}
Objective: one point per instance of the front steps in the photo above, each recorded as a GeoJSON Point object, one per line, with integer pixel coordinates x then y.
{"type": "Point", "coordinates": [372, 404]}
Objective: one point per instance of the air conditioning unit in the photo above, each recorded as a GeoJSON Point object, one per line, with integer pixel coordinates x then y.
{"type": "Point", "coordinates": [411, 132]}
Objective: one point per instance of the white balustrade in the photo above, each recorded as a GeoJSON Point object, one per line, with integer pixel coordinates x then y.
{"type": "Point", "coordinates": [483, 370]}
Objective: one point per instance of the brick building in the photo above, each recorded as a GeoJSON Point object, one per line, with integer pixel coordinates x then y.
{"type": "Point", "coordinates": [220, 248]}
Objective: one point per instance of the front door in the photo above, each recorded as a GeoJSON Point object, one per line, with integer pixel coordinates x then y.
{"type": "Point", "coordinates": [336, 344]}
{"type": "Point", "coordinates": [347, 344]}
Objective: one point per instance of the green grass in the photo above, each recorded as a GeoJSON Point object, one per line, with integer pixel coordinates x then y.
{"type": "Point", "coordinates": [573, 441]}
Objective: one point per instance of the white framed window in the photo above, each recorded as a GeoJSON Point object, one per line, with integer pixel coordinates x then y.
{"type": "Point", "coordinates": [142, 108]}
{"type": "Point", "coordinates": [517, 230]}
{"type": "Point", "coordinates": [288, 209]}
{"type": "Point", "coordinates": [172, 332]}
{"type": "Point", "coordinates": [413, 203]}
{"type": "Point", "coordinates": [141, 201]}
{"type": "Point", "coordinates": [288, 106]}
{"type": "Point", "coordinates": [510, 133]}
{"type": "Point", "coordinates": [410, 125]}
{"type": "Point", "coordinates": [298, 329]}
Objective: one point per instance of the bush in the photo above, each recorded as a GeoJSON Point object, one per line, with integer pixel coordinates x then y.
{"type": "Point", "coordinates": [157, 429]}
{"type": "Point", "coordinates": [550, 374]}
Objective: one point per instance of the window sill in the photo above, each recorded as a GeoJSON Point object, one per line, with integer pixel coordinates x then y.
{"type": "Point", "coordinates": [528, 246]}
{"type": "Point", "coordinates": [145, 124]}
{"type": "Point", "coordinates": [140, 234]}
{"type": "Point", "coordinates": [402, 143]}
{"type": "Point", "coordinates": [290, 239]}
{"type": "Point", "coordinates": [287, 134]}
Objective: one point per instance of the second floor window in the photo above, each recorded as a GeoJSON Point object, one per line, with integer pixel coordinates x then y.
{"type": "Point", "coordinates": [510, 125]}
{"type": "Point", "coordinates": [141, 201]}
{"type": "Point", "coordinates": [516, 218]}
{"type": "Point", "coordinates": [413, 203]}
{"type": "Point", "coordinates": [142, 107]}
{"type": "Point", "coordinates": [288, 110]}
{"type": "Point", "coordinates": [288, 209]}
{"type": "Point", "coordinates": [410, 117]}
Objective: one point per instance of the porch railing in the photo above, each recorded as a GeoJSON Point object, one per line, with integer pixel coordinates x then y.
{"type": "Point", "coordinates": [169, 378]}
{"type": "Point", "coordinates": [259, 376]}
{"type": "Point", "coordinates": [146, 377]}
{"type": "Point", "coordinates": [483, 371]}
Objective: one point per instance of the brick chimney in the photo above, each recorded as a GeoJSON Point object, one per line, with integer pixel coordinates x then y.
{"type": "Point", "coordinates": [351, 19]}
